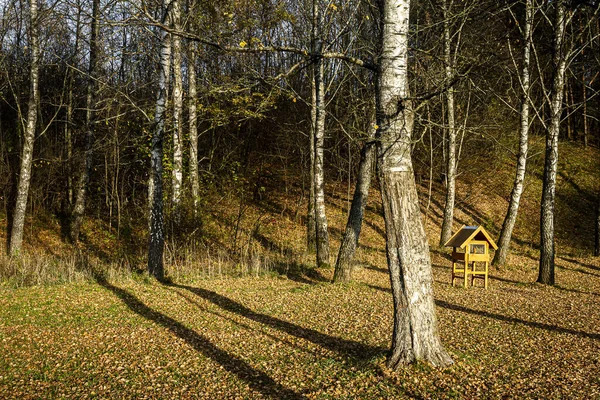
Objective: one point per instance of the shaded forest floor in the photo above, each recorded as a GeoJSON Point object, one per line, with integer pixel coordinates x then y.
{"type": "Point", "coordinates": [280, 329]}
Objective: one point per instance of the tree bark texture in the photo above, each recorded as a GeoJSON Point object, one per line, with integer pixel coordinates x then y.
{"type": "Point", "coordinates": [322, 235]}
{"type": "Point", "coordinates": [157, 232]}
{"type": "Point", "coordinates": [517, 191]}
{"type": "Point", "coordinates": [311, 230]}
{"type": "Point", "coordinates": [559, 59]}
{"type": "Point", "coordinates": [193, 126]}
{"type": "Point", "coordinates": [415, 334]}
{"type": "Point", "coordinates": [177, 116]}
{"type": "Point", "coordinates": [343, 266]}
{"type": "Point", "coordinates": [18, 223]}
{"type": "Point", "coordinates": [448, 219]}
{"type": "Point", "coordinates": [86, 167]}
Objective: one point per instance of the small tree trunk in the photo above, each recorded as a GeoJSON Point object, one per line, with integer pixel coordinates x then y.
{"type": "Point", "coordinates": [177, 116]}
{"type": "Point", "coordinates": [193, 126]}
{"type": "Point", "coordinates": [311, 230]}
{"type": "Point", "coordinates": [343, 266]}
{"type": "Point", "coordinates": [86, 167]}
{"type": "Point", "coordinates": [446, 232]}
{"type": "Point", "coordinates": [18, 223]}
{"type": "Point", "coordinates": [546, 271]}
{"type": "Point", "coordinates": [415, 334]}
{"type": "Point", "coordinates": [515, 197]}
{"type": "Point", "coordinates": [157, 234]}
{"type": "Point", "coordinates": [322, 235]}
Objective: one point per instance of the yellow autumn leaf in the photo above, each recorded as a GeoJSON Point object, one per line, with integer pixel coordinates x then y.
{"type": "Point", "coordinates": [243, 44]}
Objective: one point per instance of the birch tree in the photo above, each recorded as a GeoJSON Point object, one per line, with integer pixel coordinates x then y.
{"type": "Point", "coordinates": [177, 115]}
{"type": "Point", "coordinates": [86, 166]}
{"type": "Point", "coordinates": [318, 131]}
{"type": "Point", "coordinates": [415, 335]}
{"type": "Point", "coordinates": [156, 217]}
{"type": "Point", "coordinates": [451, 131]}
{"type": "Point", "coordinates": [515, 197]}
{"type": "Point", "coordinates": [16, 235]}
{"type": "Point", "coordinates": [559, 64]}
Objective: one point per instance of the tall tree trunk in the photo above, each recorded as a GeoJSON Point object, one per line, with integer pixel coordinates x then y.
{"type": "Point", "coordinates": [177, 115]}
{"type": "Point", "coordinates": [156, 217]}
{"type": "Point", "coordinates": [319, 139]}
{"type": "Point", "coordinates": [18, 223]}
{"type": "Point", "coordinates": [86, 166]}
{"type": "Point", "coordinates": [559, 60]}
{"type": "Point", "coordinates": [515, 197]}
{"type": "Point", "coordinates": [311, 225]}
{"type": "Point", "coordinates": [446, 232]}
{"type": "Point", "coordinates": [193, 126]}
{"type": "Point", "coordinates": [343, 266]}
{"type": "Point", "coordinates": [415, 335]}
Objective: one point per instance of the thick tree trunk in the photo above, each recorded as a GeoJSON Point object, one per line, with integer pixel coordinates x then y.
{"type": "Point", "coordinates": [86, 166]}
{"type": "Point", "coordinates": [415, 334]}
{"type": "Point", "coordinates": [177, 116]}
{"type": "Point", "coordinates": [343, 266]}
{"type": "Point", "coordinates": [156, 217]}
{"type": "Point", "coordinates": [448, 219]}
{"type": "Point", "coordinates": [18, 223]}
{"type": "Point", "coordinates": [515, 197]}
{"type": "Point", "coordinates": [546, 271]}
{"type": "Point", "coordinates": [322, 235]}
{"type": "Point", "coordinates": [193, 126]}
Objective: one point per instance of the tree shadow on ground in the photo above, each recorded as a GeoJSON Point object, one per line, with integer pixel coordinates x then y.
{"type": "Point", "coordinates": [504, 318]}
{"type": "Point", "coordinates": [256, 379]}
{"type": "Point", "coordinates": [354, 351]}
{"type": "Point", "coordinates": [300, 273]}
{"type": "Point", "coordinates": [574, 261]}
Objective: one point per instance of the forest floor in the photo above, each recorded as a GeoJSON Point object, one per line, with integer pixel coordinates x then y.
{"type": "Point", "coordinates": [282, 330]}
{"type": "Point", "coordinates": [275, 337]}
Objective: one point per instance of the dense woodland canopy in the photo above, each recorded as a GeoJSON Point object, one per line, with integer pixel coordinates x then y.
{"type": "Point", "coordinates": [133, 113]}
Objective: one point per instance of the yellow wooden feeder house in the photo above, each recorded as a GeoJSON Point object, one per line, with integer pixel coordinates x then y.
{"type": "Point", "coordinates": [470, 254]}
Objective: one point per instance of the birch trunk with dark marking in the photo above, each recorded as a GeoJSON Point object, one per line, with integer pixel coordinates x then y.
{"type": "Point", "coordinates": [193, 126]}
{"type": "Point", "coordinates": [177, 116]}
{"type": "Point", "coordinates": [559, 61]}
{"type": "Point", "coordinates": [156, 240]}
{"type": "Point", "coordinates": [18, 223]}
{"type": "Point", "coordinates": [86, 167]}
{"type": "Point", "coordinates": [322, 235]}
{"type": "Point", "coordinates": [311, 230]}
{"type": "Point", "coordinates": [343, 266]}
{"type": "Point", "coordinates": [415, 335]}
{"type": "Point", "coordinates": [448, 219]}
{"type": "Point", "coordinates": [517, 191]}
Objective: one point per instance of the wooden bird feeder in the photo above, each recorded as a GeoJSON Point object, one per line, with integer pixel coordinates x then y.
{"type": "Point", "coordinates": [470, 254]}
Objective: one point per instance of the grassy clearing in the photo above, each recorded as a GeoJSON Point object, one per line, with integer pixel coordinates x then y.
{"type": "Point", "coordinates": [282, 338]}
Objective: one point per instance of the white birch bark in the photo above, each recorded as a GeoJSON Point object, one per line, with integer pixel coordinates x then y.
{"type": "Point", "coordinates": [18, 223]}
{"type": "Point", "coordinates": [415, 334]}
{"type": "Point", "coordinates": [517, 191]}
{"type": "Point", "coordinates": [193, 126]}
{"type": "Point", "coordinates": [559, 60]}
{"type": "Point", "coordinates": [156, 218]}
{"type": "Point", "coordinates": [177, 115]}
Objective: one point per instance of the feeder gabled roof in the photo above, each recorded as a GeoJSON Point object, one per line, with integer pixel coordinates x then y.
{"type": "Point", "coordinates": [468, 233]}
